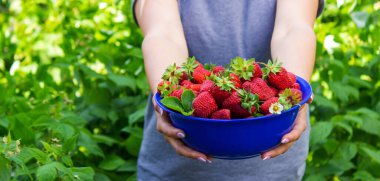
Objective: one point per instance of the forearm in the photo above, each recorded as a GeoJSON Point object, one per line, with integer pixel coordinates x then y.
{"type": "Point", "coordinates": [296, 49]}
{"type": "Point", "coordinates": [159, 52]}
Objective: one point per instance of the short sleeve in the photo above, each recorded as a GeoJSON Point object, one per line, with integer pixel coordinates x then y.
{"type": "Point", "coordinates": [134, 13]}
{"type": "Point", "coordinates": [321, 6]}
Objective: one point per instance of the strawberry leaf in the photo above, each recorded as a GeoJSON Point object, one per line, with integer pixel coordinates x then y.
{"type": "Point", "coordinates": [173, 103]}
{"type": "Point", "coordinates": [187, 99]}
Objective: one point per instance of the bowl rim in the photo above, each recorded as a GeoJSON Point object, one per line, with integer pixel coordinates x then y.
{"type": "Point", "coordinates": [300, 80]}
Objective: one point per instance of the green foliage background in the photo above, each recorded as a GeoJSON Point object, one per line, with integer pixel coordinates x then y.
{"type": "Point", "coordinates": [73, 91]}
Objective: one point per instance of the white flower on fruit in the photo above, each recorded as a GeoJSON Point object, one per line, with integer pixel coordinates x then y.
{"type": "Point", "coordinates": [276, 108]}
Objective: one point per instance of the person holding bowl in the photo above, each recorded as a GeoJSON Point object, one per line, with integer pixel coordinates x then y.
{"type": "Point", "coordinates": [216, 31]}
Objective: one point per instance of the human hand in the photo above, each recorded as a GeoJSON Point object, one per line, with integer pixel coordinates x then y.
{"type": "Point", "coordinates": [289, 139]}
{"type": "Point", "coordinates": [173, 136]}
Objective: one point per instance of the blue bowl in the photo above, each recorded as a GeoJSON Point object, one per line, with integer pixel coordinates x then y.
{"type": "Point", "coordinates": [237, 138]}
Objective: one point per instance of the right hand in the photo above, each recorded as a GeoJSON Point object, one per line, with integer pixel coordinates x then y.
{"type": "Point", "coordinates": [173, 136]}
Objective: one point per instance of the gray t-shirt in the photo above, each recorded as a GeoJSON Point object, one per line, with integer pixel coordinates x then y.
{"type": "Point", "coordinates": [217, 31]}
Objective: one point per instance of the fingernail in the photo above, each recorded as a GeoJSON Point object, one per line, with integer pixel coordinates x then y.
{"type": "Point", "coordinates": [209, 161]}
{"type": "Point", "coordinates": [266, 157]}
{"type": "Point", "coordinates": [161, 111]}
{"type": "Point", "coordinates": [202, 159]}
{"type": "Point", "coordinates": [180, 135]}
{"type": "Point", "coordinates": [285, 140]}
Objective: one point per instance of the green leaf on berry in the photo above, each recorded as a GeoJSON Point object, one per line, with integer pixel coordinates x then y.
{"type": "Point", "coordinates": [189, 66]}
{"type": "Point", "coordinates": [187, 98]}
{"type": "Point", "coordinates": [209, 66]}
{"type": "Point", "coordinates": [173, 74]}
{"type": "Point", "coordinates": [271, 67]}
{"type": "Point", "coordinates": [172, 103]}
{"type": "Point", "coordinates": [175, 104]}
{"type": "Point", "coordinates": [248, 100]}
{"type": "Point", "coordinates": [243, 68]}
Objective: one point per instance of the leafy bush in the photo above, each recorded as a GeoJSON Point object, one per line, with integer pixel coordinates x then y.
{"type": "Point", "coordinates": [73, 91]}
{"type": "Point", "coordinates": [345, 138]}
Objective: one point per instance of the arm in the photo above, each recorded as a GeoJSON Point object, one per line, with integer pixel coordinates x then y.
{"type": "Point", "coordinates": [294, 43]}
{"type": "Point", "coordinates": [164, 43]}
{"type": "Point", "coordinates": [293, 40]}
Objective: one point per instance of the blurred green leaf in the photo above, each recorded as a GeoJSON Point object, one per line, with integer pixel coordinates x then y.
{"type": "Point", "coordinates": [320, 131]}
{"type": "Point", "coordinates": [375, 155]}
{"type": "Point", "coordinates": [112, 162]}
{"type": "Point", "coordinates": [5, 169]}
{"type": "Point", "coordinates": [363, 175]}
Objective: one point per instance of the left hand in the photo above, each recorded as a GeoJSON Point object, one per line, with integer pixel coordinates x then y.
{"type": "Point", "coordinates": [289, 139]}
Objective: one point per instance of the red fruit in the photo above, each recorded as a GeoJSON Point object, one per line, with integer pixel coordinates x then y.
{"type": "Point", "coordinates": [280, 80]}
{"type": "Point", "coordinates": [221, 114]}
{"type": "Point", "coordinates": [204, 105]}
{"type": "Point", "coordinates": [195, 87]}
{"type": "Point", "coordinates": [218, 70]}
{"type": "Point", "coordinates": [296, 86]}
{"type": "Point", "coordinates": [236, 80]}
{"type": "Point", "coordinates": [264, 108]}
{"type": "Point", "coordinates": [200, 74]}
{"type": "Point", "coordinates": [219, 95]}
{"type": "Point", "coordinates": [233, 103]}
{"type": "Point", "coordinates": [184, 76]}
{"type": "Point", "coordinates": [177, 93]}
{"type": "Point", "coordinates": [274, 90]}
{"type": "Point", "coordinates": [189, 85]}
{"type": "Point", "coordinates": [260, 87]}
{"type": "Point", "coordinates": [257, 71]}
{"type": "Point", "coordinates": [163, 85]}
{"type": "Point", "coordinates": [186, 84]}
{"type": "Point", "coordinates": [207, 85]}
{"type": "Point", "coordinates": [292, 77]}
{"type": "Point", "coordinates": [199, 63]}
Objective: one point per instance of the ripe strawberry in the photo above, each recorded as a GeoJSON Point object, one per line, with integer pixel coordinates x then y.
{"type": "Point", "coordinates": [244, 69]}
{"type": "Point", "coordinates": [184, 76]}
{"type": "Point", "coordinates": [235, 79]}
{"type": "Point", "coordinates": [173, 74]}
{"type": "Point", "coordinates": [218, 70]}
{"type": "Point", "coordinates": [186, 84]}
{"type": "Point", "coordinates": [276, 75]}
{"type": "Point", "coordinates": [204, 105]}
{"type": "Point", "coordinates": [264, 108]}
{"type": "Point", "coordinates": [188, 68]}
{"type": "Point", "coordinates": [260, 87]}
{"type": "Point", "coordinates": [195, 87]}
{"type": "Point", "coordinates": [296, 86]}
{"type": "Point", "coordinates": [221, 114]}
{"type": "Point", "coordinates": [200, 74]}
{"type": "Point", "coordinates": [177, 93]}
{"type": "Point", "coordinates": [222, 89]}
{"type": "Point", "coordinates": [207, 85]}
{"type": "Point", "coordinates": [164, 88]}
{"type": "Point", "coordinates": [241, 103]}
{"type": "Point", "coordinates": [292, 77]}
{"type": "Point", "coordinates": [219, 94]}
{"type": "Point", "coordinates": [257, 73]}
{"type": "Point", "coordinates": [199, 64]}
{"type": "Point", "coordinates": [189, 85]}
{"type": "Point", "coordinates": [274, 90]}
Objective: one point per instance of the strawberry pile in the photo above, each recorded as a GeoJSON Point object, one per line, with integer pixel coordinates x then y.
{"type": "Point", "coordinates": [242, 89]}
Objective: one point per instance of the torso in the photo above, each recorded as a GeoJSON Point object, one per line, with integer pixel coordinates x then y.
{"type": "Point", "coordinates": [219, 30]}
